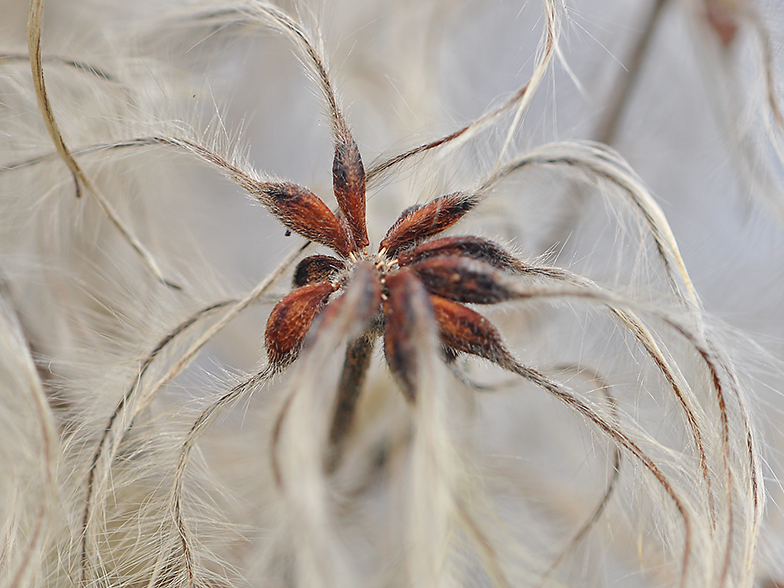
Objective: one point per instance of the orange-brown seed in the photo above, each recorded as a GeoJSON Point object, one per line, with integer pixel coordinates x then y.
{"type": "Point", "coordinates": [290, 321]}
{"type": "Point", "coordinates": [466, 330]}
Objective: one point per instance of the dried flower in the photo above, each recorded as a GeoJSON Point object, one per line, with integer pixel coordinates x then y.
{"type": "Point", "coordinates": [536, 419]}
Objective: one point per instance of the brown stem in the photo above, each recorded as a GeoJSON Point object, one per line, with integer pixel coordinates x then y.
{"type": "Point", "coordinates": [604, 387]}
{"type": "Point", "coordinates": [619, 436]}
{"type": "Point", "coordinates": [607, 130]}
{"type": "Point", "coordinates": [355, 368]}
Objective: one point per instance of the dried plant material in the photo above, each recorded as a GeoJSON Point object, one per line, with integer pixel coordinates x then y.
{"type": "Point", "coordinates": [318, 560]}
{"type": "Point", "coordinates": [407, 312]}
{"type": "Point", "coordinates": [465, 330]}
{"type": "Point", "coordinates": [602, 163]}
{"type": "Point", "coordinates": [463, 280]}
{"type": "Point", "coordinates": [469, 246]}
{"type": "Point", "coordinates": [30, 508]}
{"type": "Point", "coordinates": [414, 406]}
{"type": "Point", "coordinates": [36, 62]}
{"type": "Point", "coordinates": [426, 221]}
{"type": "Point", "coordinates": [608, 493]}
{"type": "Point", "coordinates": [352, 380]}
{"type": "Point", "coordinates": [317, 268]}
{"type": "Point", "coordinates": [291, 319]}
{"type": "Point", "coordinates": [521, 99]}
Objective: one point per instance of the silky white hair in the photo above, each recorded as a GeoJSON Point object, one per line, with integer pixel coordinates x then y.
{"type": "Point", "coordinates": [629, 153]}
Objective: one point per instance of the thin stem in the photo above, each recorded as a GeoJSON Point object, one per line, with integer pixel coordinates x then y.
{"type": "Point", "coordinates": [57, 60]}
{"type": "Point", "coordinates": [521, 98]}
{"type": "Point", "coordinates": [605, 164]}
{"type": "Point", "coordinates": [45, 106]}
{"type": "Point", "coordinates": [355, 367]}
{"type": "Point", "coordinates": [36, 63]}
{"type": "Point", "coordinates": [671, 374]}
{"type": "Point", "coordinates": [132, 239]}
{"type": "Point", "coordinates": [568, 397]}
{"type": "Point", "coordinates": [681, 391]}
{"type": "Point", "coordinates": [607, 129]}
{"type": "Point", "coordinates": [550, 37]}
{"type": "Point", "coordinates": [627, 80]}
{"type": "Point", "coordinates": [713, 363]}
{"type": "Point", "coordinates": [193, 434]}
{"type": "Point", "coordinates": [604, 388]}
{"type": "Point", "coordinates": [122, 405]}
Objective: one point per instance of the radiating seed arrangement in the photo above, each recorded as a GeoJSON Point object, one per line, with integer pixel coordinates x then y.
{"type": "Point", "coordinates": [413, 277]}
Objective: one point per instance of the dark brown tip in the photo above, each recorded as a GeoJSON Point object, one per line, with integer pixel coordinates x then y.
{"type": "Point", "coordinates": [290, 321]}
{"type": "Point", "coordinates": [465, 330]}
{"type": "Point", "coordinates": [303, 212]}
{"type": "Point", "coordinates": [417, 224]}
{"type": "Point", "coordinates": [409, 316]}
{"type": "Point", "coordinates": [348, 182]}
{"type": "Point", "coordinates": [464, 280]}
{"type": "Point", "coordinates": [464, 246]}
{"type": "Point", "coordinates": [317, 268]}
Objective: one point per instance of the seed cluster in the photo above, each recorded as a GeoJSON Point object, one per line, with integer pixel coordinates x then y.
{"type": "Point", "coordinates": [413, 276]}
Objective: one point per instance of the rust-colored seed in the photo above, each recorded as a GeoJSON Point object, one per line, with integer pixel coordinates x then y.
{"type": "Point", "coordinates": [303, 212]}
{"type": "Point", "coordinates": [463, 246]}
{"type": "Point", "coordinates": [317, 268]}
{"type": "Point", "coordinates": [408, 315]}
{"type": "Point", "coordinates": [468, 331]}
{"type": "Point", "coordinates": [414, 226]}
{"type": "Point", "coordinates": [463, 280]}
{"type": "Point", "coordinates": [290, 320]}
{"type": "Point", "coordinates": [348, 183]}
